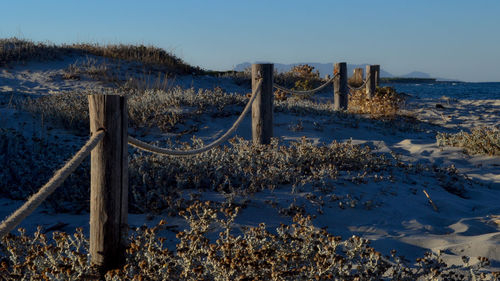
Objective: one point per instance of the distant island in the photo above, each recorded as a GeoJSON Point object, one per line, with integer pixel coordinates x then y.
{"type": "Point", "coordinates": [406, 80]}
{"type": "Point", "coordinates": [385, 77]}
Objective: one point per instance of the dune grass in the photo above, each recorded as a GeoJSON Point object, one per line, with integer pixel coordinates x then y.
{"type": "Point", "coordinates": [14, 50]}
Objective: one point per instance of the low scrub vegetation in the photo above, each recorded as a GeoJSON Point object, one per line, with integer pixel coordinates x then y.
{"type": "Point", "coordinates": [384, 104]}
{"type": "Point", "coordinates": [240, 168]}
{"type": "Point", "coordinates": [28, 162]}
{"type": "Point", "coordinates": [157, 183]}
{"type": "Point", "coordinates": [481, 140]}
{"type": "Point", "coordinates": [299, 251]}
{"type": "Point", "coordinates": [244, 168]}
{"type": "Point", "coordinates": [147, 108]}
{"type": "Point", "coordinates": [300, 78]}
{"type": "Point", "coordinates": [167, 109]}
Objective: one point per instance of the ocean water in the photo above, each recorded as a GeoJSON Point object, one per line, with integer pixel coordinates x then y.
{"type": "Point", "coordinates": [457, 90]}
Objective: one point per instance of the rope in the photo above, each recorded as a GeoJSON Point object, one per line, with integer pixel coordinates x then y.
{"type": "Point", "coordinates": [304, 92]}
{"type": "Point", "coordinates": [57, 179]}
{"type": "Point", "coordinates": [154, 149]}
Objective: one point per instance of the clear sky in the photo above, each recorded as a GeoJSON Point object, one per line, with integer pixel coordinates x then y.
{"type": "Point", "coordinates": [445, 38]}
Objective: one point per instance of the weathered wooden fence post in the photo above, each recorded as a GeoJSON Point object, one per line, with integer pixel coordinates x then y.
{"type": "Point", "coordinates": [377, 74]}
{"type": "Point", "coordinates": [371, 83]}
{"type": "Point", "coordinates": [357, 77]}
{"type": "Point", "coordinates": [340, 89]}
{"type": "Point", "coordinates": [108, 182]}
{"type": "Point", "coordinates": [262, 107]}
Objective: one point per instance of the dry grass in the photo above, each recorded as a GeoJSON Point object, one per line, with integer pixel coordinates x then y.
{"type": "Point", "coordinates": [151, 57]}
{"type": "Point", "coordinates": [14, 50]}
{"type": "Point", "coordinates": [481, 140]}
{"type": "Point", "coordinates": [92, 68]}
{"type": "Point", "coordinates": [384, 104]}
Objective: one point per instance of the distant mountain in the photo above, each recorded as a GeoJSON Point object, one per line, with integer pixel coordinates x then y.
{"type": "Point", "coordinates": [416, 74]}
{"type": "Point", "coordinates": [323, 68]}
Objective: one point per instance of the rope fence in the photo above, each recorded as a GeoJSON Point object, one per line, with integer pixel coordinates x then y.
{"type": "Point", "coordinates": [164, 151]}
{"type": "Point", "coordinates": [109, 164]}
{"type": "Point", "coordinates": [308, 92]}
{"type": "Point", "coordinates": [57, 179]}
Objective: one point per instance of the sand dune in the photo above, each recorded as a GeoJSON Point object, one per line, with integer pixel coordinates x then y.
{"type": "Point", "coordinates": [402, 217]}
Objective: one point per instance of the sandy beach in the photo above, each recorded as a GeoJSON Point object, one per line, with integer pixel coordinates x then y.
{"type": "Point", "coordinates": [393, 213]}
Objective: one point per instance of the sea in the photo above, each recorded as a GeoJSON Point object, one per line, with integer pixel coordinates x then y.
{"type": "Point", "coordinates": [455, 90]}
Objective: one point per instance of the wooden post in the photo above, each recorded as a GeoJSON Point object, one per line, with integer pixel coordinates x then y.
{"type": "Point", "coordinates": [262, 107]}
{"type": "Point", "coordinates": [377, 74]}
{"type": "Point", "coordinates": [340, 89]}
{"type": "Point", "coordinates": [371, 83]}
{"type": "Point", "coordinates": [357, 77]}
{"type": "Point", "coordinates": [108, 182]}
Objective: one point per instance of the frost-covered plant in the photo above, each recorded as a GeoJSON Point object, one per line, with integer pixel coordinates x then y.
{"type": "Point", "coordinates": [482, 140]}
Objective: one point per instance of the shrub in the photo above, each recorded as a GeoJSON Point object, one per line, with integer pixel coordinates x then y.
{"type": "Point", "coordinates": [482, 140]}
{"type": "Point", "coordinates": [385, 103]}
{"type": "Point", "coordinates": [299, 251]}
{"type": "Point", "coordinates": [301, 78]}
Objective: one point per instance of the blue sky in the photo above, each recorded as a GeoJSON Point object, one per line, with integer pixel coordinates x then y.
{"type": "Point", "coordinates": [452, 39]}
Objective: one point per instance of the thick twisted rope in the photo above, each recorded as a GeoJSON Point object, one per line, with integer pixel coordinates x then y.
{"type": "Point", "coordinates": [293, 92]}
{"type": "Point", "coordinates": [154, 149]}
{"type": "Point", "coordinates": [57, 179]}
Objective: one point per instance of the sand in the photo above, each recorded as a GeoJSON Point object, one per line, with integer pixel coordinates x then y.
{"type": "Point", "coordinates": [399, 215]}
